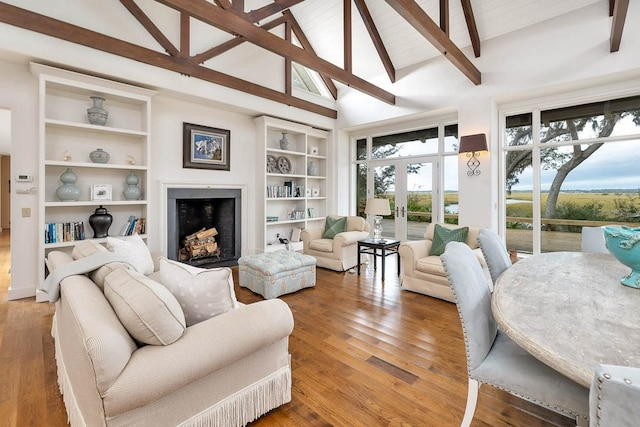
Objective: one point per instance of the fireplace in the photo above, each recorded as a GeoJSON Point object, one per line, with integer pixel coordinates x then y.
{"type": "Point", "coordinates": [190, 210]}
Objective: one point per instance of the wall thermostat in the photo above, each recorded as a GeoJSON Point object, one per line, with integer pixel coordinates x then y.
{"type": "Point", "coordinates": [24, 178]}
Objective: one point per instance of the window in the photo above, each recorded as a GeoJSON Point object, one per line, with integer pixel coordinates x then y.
{"type": "Point", "coordinates": [417, 170]}
{"type": "Point", "coordinates": [570, 167]}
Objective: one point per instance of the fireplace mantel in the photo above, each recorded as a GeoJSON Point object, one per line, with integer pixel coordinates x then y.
{"type": "Point", "coordinates": [185, 196]}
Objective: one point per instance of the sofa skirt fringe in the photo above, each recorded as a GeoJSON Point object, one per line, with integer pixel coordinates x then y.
{"type": "Point", "coordinates": [74, 416]}
{"type": "Point", "coordinates": [247, 404]}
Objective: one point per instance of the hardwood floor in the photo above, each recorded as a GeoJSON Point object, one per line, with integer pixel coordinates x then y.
{"type": "Point", "coordinates": [364, 353]}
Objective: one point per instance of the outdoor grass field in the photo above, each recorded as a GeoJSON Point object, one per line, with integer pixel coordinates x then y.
{"type": "Point", "coordinates": [419, 201]}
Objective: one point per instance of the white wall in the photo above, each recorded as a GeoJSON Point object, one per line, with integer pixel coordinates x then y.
{"type": "Point", "coordinates": [565, 53]}
{"type": "Point", "coordinates": [166, 160]}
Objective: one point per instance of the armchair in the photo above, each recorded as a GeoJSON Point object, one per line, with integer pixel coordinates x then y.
{"type": "Point", "coordinates": [339, 253]}
{"type": "Point", "coordinates": [423, 272]}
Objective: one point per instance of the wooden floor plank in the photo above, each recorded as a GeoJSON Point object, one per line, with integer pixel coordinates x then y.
{"type": "Point", "coordinates": [364, 353]}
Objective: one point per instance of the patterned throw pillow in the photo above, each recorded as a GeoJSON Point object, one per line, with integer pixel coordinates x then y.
{"type": "Point", "coordinates": [443, 235]}
{"type": "Point", "coordinates": [334, 226]}
{"type": "Point", "coordinates": [203, 293]}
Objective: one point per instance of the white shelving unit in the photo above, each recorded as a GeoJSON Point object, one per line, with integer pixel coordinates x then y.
{"type": "Point", "coordinates": [283, 211]}
{"type": "Point", "coordinates": [65, 131]}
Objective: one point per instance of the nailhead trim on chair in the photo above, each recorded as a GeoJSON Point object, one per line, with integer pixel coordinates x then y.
{"type": "Point", "coordinates": [540, 403]}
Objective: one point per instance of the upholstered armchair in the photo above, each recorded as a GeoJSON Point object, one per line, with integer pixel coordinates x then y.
{"type": "Point", "coordinates": [339, 252]}
{"type": "Point", "coordinates": [422, 268]}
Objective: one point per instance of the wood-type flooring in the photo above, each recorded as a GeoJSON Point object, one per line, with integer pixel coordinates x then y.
{"type": "Point", "coordinates": [363, 352]}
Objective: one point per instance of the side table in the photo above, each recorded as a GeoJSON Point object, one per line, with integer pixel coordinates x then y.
{"type": "Point", "coordinates": [386, 246]}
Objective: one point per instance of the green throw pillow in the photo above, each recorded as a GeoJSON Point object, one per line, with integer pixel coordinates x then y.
{"type": "Point", "coordinates": [334, 226]}
{"type": "Point", "coordinates": [443, 235]}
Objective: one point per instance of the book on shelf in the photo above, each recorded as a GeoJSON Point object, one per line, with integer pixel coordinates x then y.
{"type": "Point", "coordinates": [59, 232]}
{"type": "Point", "coordinates": [134, 226]}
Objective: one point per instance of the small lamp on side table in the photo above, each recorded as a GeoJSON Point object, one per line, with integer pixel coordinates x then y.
{"type": "Point", "coordinates": [377, 207]}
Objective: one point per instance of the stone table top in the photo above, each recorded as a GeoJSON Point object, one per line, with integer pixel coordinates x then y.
{"type": "Point", "coordinates": [569, 310]}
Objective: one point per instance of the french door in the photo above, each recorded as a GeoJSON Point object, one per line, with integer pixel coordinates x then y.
{"type": "Point", "coordinates": [411, 186]}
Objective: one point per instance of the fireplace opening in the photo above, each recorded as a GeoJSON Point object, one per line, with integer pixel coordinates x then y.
{"type": "Point", "coordinates": [204, 226]}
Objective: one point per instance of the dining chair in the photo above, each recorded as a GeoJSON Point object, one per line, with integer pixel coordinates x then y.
{"type": "Point", "coordinates": [492, 357]}
{"type": "Point", "coordinates": [592, 240]}
{"type": "Point", "coordinates": [495, 253]}
{"type": "Point", "coordinates": [614, 399]}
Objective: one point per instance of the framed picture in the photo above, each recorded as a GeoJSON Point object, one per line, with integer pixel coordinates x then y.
{"type": "Point", "coordinates": [205, 147]}
{"type": "Point", "coordinates": [101, 192]}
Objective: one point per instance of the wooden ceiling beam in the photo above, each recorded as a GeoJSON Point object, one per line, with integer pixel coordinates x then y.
{"type": "Point", "coordinates": [444, 16]}
{"type": "Point", "coordinates": [219, 18]}
{"type": "Point", "coordinates": [306, 44]}
{"type": "Point", "coordinates": [185, 35]}
{"type": "Point", "coordinates": [417, 17]}
{"type": "Point", "coordinates": [376, 39]}
{"type": "Point", "coordinates": [151, 28]}
{"type": "Point", "coordinates": [617, 25]}
{"type": "Point", "coordinates": [347, 38]}
{"type": "Point", "coordinates": [271, 9]}
{"type": "Point", "coordinates": [42, 24]}
{"type": "Point", "coordinates": [471, 26]}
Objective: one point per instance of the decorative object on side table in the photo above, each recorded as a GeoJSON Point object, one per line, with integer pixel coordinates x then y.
{"type": "Point", "coordinates": [312, 169]}
{"type": "Point", "coordinates": [96, 114]}
{"type": "Point", "coordinates": [377, 207]}
{"type": "Point", "coordinates": [205, 147]}
{"type": "Point", "coordinates": [284, 142]}
{"type": "Point", "coordinates": [99, 156]}
{"type": "Point", "coordinates": [68, 191]}
{"type": "Point", "coordinates": [624, 244]}
{"type": "Point", "coordinates": [100, 221]}
{"type": "Point", "coordinates": [132, 191]}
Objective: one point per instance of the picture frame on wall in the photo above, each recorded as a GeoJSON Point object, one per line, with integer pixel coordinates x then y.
{"type": "Point", "coordinates": [206, 147]}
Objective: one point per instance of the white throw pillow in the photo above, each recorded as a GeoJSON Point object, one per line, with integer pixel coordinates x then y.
{"type": "Point", "coordinates": [202, 293]}
{"type": "Point", "coordinates": [145, 308]}
{"type": "Point", "coordinates": [135, 252]}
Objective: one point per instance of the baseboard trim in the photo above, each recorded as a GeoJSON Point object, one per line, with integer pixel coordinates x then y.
{"type": "Point", "coordinates": [19, 293]}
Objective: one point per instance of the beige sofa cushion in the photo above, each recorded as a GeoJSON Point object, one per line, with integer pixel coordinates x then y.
{"type": "Point", "coordinates": [87, 248]}
{"type": "Point", "coordinates": [202, 293]}
{"type": "Point", "coordinates": [149, 312]}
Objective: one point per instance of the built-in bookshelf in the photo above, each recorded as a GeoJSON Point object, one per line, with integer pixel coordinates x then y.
{"type": "Point", "coordinates": [294, 178]}
{"type": "Point", "coordinates": [66, 140]}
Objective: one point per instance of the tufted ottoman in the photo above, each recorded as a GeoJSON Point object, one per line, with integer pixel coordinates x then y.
{"type": "Point", "coordinates": [272, 274]}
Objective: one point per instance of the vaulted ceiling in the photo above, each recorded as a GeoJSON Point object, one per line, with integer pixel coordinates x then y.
{"type": "Point", "coordinates": [349, 42]}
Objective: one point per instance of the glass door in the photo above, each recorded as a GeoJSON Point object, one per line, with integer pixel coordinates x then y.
{"type": "Point", "coordinates": [409, 185]}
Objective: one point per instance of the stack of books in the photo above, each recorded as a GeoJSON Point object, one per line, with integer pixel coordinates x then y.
{"type": "Point", "coordinates": [134, 226]}
{"type": "Point", "coordinates": [58, 232]}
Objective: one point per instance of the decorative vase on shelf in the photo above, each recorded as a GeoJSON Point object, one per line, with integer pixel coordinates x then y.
{"type": "Point", "coordinates": [68, 191]}
{"type": "Point", "coordinates": [99, 156]}
{"type": "Point", "coordinates": [100, 221]}
{"type": "Point", "coordinates": [131, 191]}
{"type": "Point", "coordinates": [284, 142]}
{"type": "Point", "coordinates": [312, 170]}
{"type": "Point", "coordinates": [96, 114]}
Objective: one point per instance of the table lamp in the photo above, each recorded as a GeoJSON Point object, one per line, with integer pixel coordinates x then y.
{"type": "Point", "coordinates": [377, 207]}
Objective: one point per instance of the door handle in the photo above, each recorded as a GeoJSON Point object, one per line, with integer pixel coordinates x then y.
{"type": "Point", "coordinates": [403, 212]}
{"type": "Point", "coordinates": [397, 211]}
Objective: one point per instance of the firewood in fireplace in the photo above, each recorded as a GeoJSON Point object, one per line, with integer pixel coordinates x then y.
{"type": "Point", "coordinates": [199, 245]}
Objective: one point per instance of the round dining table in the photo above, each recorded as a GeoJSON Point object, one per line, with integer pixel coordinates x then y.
{"type": "Point", "coordinates": [570, 311]}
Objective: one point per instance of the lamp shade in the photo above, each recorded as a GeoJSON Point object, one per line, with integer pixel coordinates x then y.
{"type": "Point", "coordinates": [473, 143]}
{"type": "Point", "coordinates": [377, 207]}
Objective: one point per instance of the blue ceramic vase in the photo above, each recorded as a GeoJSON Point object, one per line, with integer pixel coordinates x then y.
{"type": "Point", "coordinates": [624, 244]}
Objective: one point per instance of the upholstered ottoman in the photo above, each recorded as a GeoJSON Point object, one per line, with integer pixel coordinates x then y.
{"type": "Point", "coordinates": [272, 274]}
